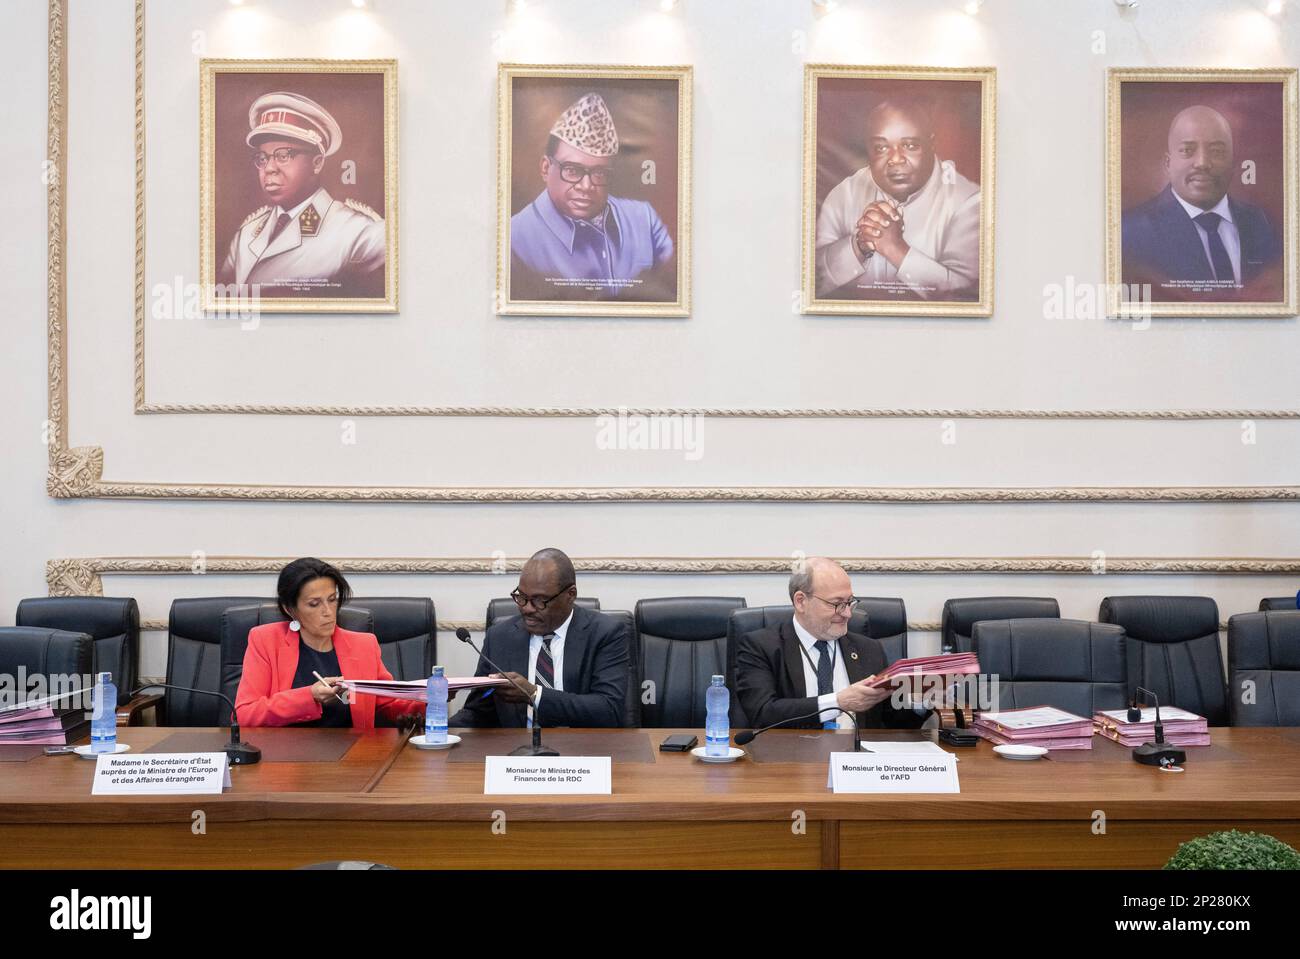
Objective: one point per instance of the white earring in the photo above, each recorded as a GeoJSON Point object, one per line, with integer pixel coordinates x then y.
{"type": "Point", "coordinates": [294, 626]}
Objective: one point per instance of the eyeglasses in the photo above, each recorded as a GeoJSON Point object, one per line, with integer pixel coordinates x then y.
{"type": "Point", "coordinates": [845, 607]}
{"type": "Point", "coordinates": [281, 157]}
{"type": "Point", "coordinates": [538, 604]}
{"type": "Point", "coordinates": [574, 172]}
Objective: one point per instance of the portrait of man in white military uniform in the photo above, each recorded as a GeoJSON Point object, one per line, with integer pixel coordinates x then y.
{"type": "Point", "coordinates": [303, 241]}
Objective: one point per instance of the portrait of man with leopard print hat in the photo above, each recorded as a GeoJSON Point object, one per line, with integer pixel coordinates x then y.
{"type": "Point", "coordinates": [603, 222]}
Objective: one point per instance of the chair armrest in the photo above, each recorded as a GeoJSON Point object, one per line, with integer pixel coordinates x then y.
{"type": "Point", "coordinates": [131, 714]}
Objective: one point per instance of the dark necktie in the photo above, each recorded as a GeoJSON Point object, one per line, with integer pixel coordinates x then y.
{"type": "Point", "coordinates": [280, 224]}
{"type": "Point", "coordinates": [825, 676]}
{"type": "Point", "coordinates": [825, 668]}
{"type": "Point", "coordinates": [1219, 258]}
{"type": "Point", "coordinates": [545, 671]}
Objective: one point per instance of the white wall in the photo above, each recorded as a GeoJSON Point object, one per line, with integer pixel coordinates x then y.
{"type": "Point", "coordinates": [743, 346]}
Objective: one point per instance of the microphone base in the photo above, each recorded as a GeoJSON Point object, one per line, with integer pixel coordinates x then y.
{"type": "Point", "coordinates": [243, 754]}
{"type": "Point", "coordinates": [1159, 754]}
{"type": "Point", "coordinates": [531, 750]}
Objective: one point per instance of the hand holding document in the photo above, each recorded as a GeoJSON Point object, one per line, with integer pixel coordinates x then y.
{"type": "Point", "coordinates": [416, 689]}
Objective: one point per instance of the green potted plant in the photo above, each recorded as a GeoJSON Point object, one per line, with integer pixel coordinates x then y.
{"type": "Point", "coordinates": [1234, 850]}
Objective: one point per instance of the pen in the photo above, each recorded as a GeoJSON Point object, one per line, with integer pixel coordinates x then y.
{"type": "Point", "coordinates": [336, 695]}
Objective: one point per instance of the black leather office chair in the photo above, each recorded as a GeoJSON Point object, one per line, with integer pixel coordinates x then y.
{"type": "Point", "coordinates": [682, 644]}
{"type": "Point", "coordinates": [961, 615]}
{"type": "Point", "coordinates": [112, 623]}
{"type": "Point", "coordinates": [407, 630]}
{"type": "Point", "coordinates": [1264, 668]}
{"type": "Point", "coordinates": [194, 658]}
{"type": "Point", "coordinates": [65, 660]}
{"type": "Point", "coordinates": [1071, 664]}
{"type": "Point", "coordinates": [1173, 650]}
{"type": "Point", "coordinates": [237, 621]}
{"type": "Point", "coordinates": [1277, 603]}
{"type": "Point", "coordinates": [499, 610]}
{"type": "Point", "coordinates": [890, 613]}
{"type": "Point", "coordinates": [632, 704]}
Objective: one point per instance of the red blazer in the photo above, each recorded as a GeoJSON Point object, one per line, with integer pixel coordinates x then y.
{"type": "Point", "coordinates": [266, 699]}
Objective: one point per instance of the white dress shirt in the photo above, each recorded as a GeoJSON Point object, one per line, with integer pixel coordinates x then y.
{"type": "Point", "coordinates": [557, 659]}
{"type": "Point", "coordinates": [1227, 233]}
{"type": "Point", "coordinates": [839, 679]}
{"type": "Point", "coordinates": [941, 225]}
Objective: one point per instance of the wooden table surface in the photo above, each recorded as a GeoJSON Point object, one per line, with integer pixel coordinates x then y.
{"type": "Point", "coordinates": [387, 801]}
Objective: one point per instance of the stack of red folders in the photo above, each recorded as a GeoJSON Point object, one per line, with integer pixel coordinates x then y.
{"type": "Point", "coordinates": [1181, 727]}
{"type": "Point", "coordinates": [45, 725]}
{"type": "Point", "coordinates": [1044, 726]}
{"type": "Point", "coordinates": [952, 664]}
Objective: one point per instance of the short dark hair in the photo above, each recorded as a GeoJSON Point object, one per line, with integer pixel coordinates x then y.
{"type": "Point", "coordinates": [552, 144]}
{"type": "Point", "coordinates": [299, 573]}
{"type": "Point", "coordinates": [919, 108]}
{"type": "Point", "coordinates": [563, 565]}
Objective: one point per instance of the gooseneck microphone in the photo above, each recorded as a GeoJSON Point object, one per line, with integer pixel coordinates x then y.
{"type": "Point", "coordinates": [1158, 753]}
{"type": "Point", "coordinates": [240, 753]}
{"type": "Point", "coordinates": [747, 737]}
{"type": "Point", "coordinates": [536, 748]}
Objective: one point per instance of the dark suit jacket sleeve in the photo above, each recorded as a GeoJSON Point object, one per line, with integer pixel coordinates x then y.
{"type": "Point", "coordinates": [601, 703]}
{"type": "Point", "coordinates": [480, 708]}
{"type": "Point", "coordinates": [757, 685]}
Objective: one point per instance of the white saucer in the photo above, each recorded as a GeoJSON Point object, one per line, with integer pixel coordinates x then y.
{"type": "Point", "coordinates": [419, 743]}
{"type": "Point", "coordinates": [85, 753]}
{"type": "Point", "coordinates": [1020, 752]}
{"type": "Point", "coordinates": [733, 753]}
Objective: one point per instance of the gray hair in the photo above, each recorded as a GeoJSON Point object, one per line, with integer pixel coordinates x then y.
{"type": "Point", "coordinates": [801, 580]}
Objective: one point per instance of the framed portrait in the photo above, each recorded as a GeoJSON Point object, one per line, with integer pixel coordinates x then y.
{"type": "Point", "coordinates": [594, 190]}
{"type": "Point", "coordinates": [298, 185]}
{"type": "Point", "coordinates": [1200, 192]}
{"type": "Point", "coordinates": [898, 195]}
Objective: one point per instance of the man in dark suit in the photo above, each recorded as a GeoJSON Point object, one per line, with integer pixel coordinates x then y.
{"type": "Point", "coordinates": [1192, 237]}
{"type": "Point", "coordinates": [812, 661]}
{"type": "Point", "coordinates": [572, 662]}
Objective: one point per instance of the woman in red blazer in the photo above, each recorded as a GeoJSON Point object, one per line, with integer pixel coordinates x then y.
{"type": "Point", "coordinates": [278, 687]}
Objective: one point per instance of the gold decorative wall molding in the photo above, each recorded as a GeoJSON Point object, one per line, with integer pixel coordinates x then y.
{"type": "Point", "coordinates": [700, 494]}
{"type": "Point", "coordinates": [82, 576]}
{"type": "Point", "coordinates": [78, 472]}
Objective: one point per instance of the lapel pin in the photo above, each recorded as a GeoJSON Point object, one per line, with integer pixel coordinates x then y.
{"type": "Point", "coordinates": [853, 655]}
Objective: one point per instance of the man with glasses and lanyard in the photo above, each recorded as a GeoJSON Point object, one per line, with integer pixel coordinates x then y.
{"type": "Point", "coordinates": [572, 662]}
{"type": "Point", "coordinates": [811, 661]}
{"type": "Point", "coordinates": [575, 241]}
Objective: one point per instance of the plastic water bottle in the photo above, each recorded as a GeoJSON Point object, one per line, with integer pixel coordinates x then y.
{"type": "Point", "coordinates": [103, 718]}
{"type": "Point", "coordinates": [435, 713]}
{"type": "Point", "coordinates": [717, 724]}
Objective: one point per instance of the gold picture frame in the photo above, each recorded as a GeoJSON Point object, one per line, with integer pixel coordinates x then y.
{"type": "Point", "coordinates": [655, 256]}
{"type": "Point", "coordinates": [837, 182]}
{"type": "Point", "coordinates": [1161, 263]}
{"type": "Point", "coordinates": [321, 248]}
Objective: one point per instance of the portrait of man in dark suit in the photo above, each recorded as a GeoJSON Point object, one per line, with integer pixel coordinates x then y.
{"type": "Point", "coordinates": [1193, 236]}
{"type": "Point", "coordinates": [570, 663]}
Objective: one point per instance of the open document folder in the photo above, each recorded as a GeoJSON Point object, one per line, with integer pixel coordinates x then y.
{"type": "Point", "coordinates": [416, 688]}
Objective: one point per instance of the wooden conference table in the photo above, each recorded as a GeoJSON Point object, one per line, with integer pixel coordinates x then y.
{"type": "Point", "coordinates": [338, 794]}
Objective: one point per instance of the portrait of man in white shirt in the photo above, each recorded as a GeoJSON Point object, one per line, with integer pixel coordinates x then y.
{"type": "Point", "coordinates": [907, 224]}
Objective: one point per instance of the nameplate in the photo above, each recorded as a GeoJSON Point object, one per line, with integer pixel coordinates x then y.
{"type": "Point", "coordinates": [161, 774]}
{"type": "Point", "coordinates": [893, 773]}
{"type": "Point", "coordinates": [547, 775]}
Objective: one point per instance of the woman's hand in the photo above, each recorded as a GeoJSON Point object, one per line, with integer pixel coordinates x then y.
{"type": "Point", "coordinates": [326, 689]}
